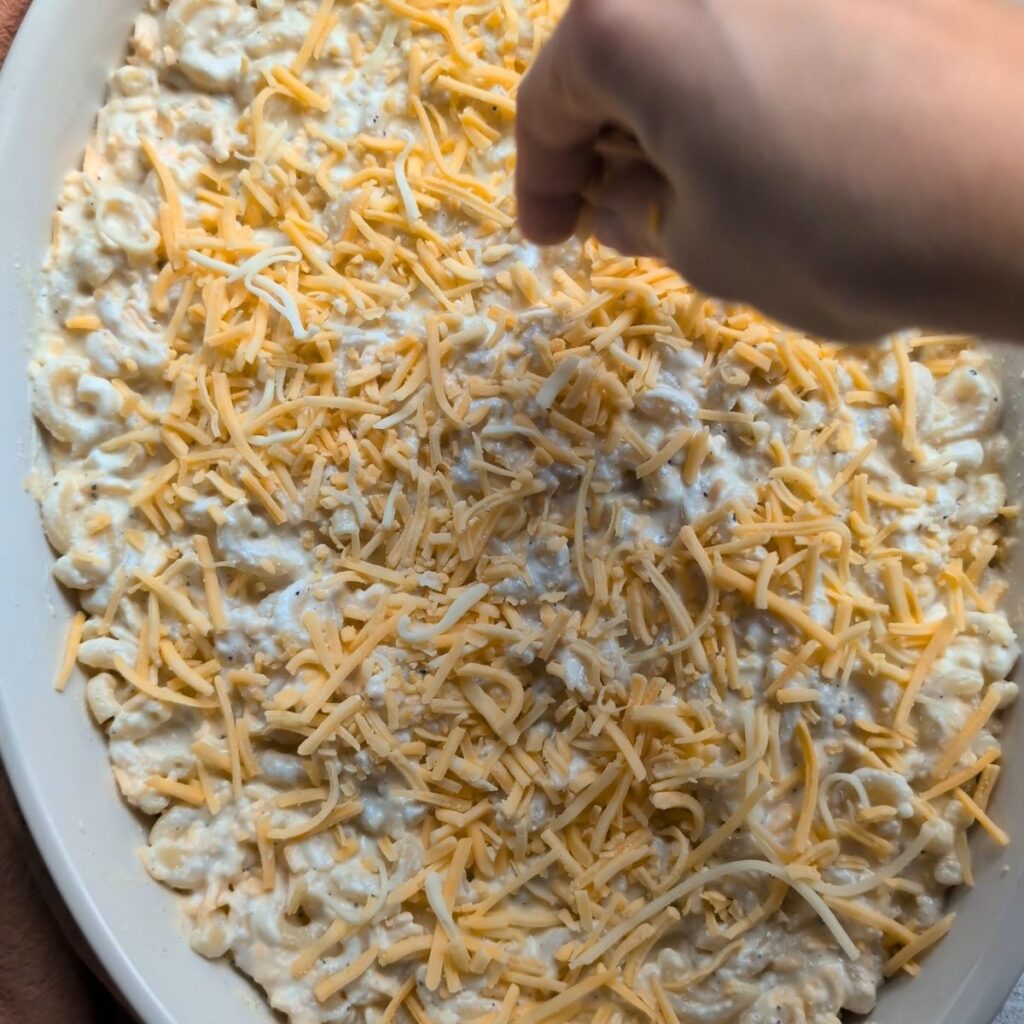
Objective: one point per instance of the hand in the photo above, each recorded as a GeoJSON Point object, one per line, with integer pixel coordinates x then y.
{"type": "Point", "coordinates": [849, 166]}
{"type": "Point", "coordinates": [42, 980]}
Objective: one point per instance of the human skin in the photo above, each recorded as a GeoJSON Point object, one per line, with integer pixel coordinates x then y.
{"type": "Point", "coordinates": [848, 166]}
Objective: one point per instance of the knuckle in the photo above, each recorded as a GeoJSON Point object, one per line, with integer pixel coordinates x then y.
{"type": "Point", "coordinates": [599, 25]}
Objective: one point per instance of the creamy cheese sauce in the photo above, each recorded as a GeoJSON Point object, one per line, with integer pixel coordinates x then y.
{"type": "Point", "coordinates": [496, 634]}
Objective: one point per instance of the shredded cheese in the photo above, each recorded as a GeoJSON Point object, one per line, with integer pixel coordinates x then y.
{"type": "Point", "coordinates": [571, 566]}
{"type": "Point", "coordinates": [71, 646]}
{"type": "Point", "coordinates": [918, 945]}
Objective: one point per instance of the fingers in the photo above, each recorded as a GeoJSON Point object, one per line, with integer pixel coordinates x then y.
{"type": "Point", "coordinates": [578, 86]}
{"type": "Point", "coordinates": [630, 204]}
{"type": "Point", "coordinates": [555, 134]}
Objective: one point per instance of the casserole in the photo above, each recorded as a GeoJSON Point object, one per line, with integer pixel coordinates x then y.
{"type": "Point", "coordinates": [76, 822]}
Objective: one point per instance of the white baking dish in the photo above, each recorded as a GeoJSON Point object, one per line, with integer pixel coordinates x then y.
{"type": "Point", "coordinates": [50, 89]}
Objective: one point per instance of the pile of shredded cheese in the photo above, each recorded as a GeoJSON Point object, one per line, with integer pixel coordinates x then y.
{"type": "Point", "coordinates": [626, 607]}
